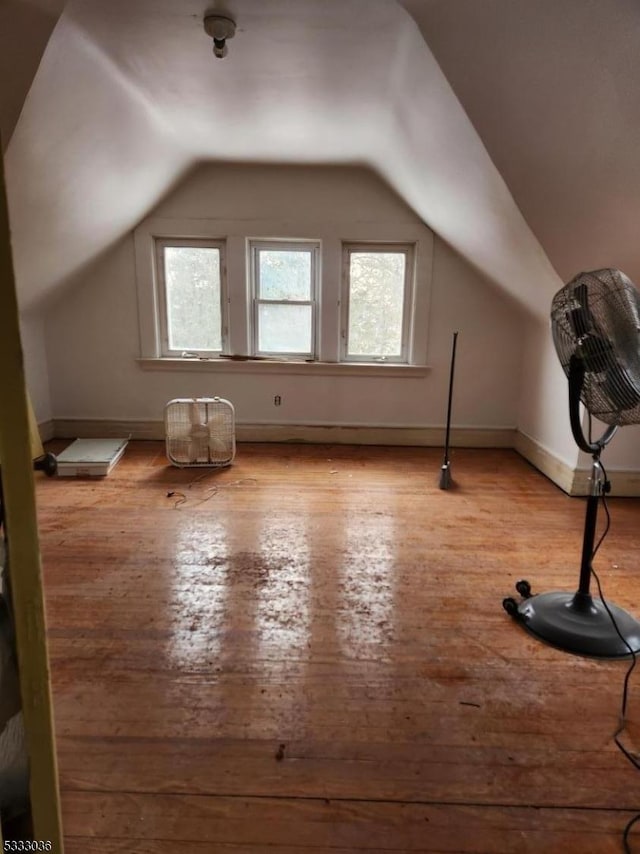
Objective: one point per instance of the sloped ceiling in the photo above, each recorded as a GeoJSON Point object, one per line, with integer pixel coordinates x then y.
{"type": "Point", "coordinates": [128, 97]}
{"type": "Point", "coordinates": [25, 29]}
{"type": "Point", "coordinates": [553, 89]}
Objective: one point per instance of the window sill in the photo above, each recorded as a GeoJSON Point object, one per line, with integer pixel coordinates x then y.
{"type": "Point", "coordinates": [227, 366]}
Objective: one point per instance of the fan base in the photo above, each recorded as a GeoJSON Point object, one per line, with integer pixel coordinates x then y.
{"type": "Point", "coordinates": [578, 623]}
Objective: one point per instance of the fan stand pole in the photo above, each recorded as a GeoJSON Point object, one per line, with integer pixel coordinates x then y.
{"type": "Point", "coordinates": [598, 486]}
{"type": "Point", "coordinates": [577, 622]}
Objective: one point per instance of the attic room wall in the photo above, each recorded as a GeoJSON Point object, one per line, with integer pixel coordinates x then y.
{"type": "Point", "coordinates": [623, 452]}
{"type": "Point", "coordinates": [93, 339]}
{"type": "Point", "coordinates": [622, 455]}
{"type": "Point", "coordinates": [544, 408]}
{"type": "Point", "coordinates": [544, 429]}
{"type": "Point", "coordinates": [32, 331]}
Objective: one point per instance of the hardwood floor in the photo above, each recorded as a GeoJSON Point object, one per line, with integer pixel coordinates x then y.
{"type": "Point", "coordinates": [307, 652]}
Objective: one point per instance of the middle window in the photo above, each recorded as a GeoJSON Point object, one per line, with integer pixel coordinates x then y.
{"type": "Point", "coordinates": [284, 279]}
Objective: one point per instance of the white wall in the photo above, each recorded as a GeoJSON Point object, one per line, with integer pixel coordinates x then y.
{"type": "Point", "coordinates": [623, 453]}
{"type": "Point", "coordinates": [93, 339]}
{"type": "Point", "coordinates": [544, 410]}
{"type": "Point", "coordinates": [32, 332]}
{"type": "Point", "coordinates": [128, 97]}
{"type": "Point", "coordinates": [488, 360]}
{"type": "Point", "coordinates": [544, 395]}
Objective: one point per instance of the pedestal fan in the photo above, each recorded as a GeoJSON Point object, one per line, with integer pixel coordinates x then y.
{"type": "Point", "coordinates": [595, 323]}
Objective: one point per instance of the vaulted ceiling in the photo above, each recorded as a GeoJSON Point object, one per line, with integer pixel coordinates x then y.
{"type": "Point", "coordinates": [509, 126]}
{"type": "Point", "coordinates": [553, 89]}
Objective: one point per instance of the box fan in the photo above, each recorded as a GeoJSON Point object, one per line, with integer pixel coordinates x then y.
{"type": "Point", "coordinates": [200, 431]}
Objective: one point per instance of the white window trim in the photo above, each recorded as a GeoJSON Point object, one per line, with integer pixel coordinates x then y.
{"type": "Point", "coordinates": [408, 321]}
{"type": "Point", "coordinates": [275, 244]}
{"type": "Point", "coordinates": [285, 367]}
{"type": "Point", "coordinates": [161, 243]}
{"type": "Point", "coordinates": [236, 233]}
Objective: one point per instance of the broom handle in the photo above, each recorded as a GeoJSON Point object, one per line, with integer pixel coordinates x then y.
{"type": "Point", "coordinates": [453, 366]}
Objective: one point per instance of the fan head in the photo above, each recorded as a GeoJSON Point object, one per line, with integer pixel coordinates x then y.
{"type": "Point", "coordinates": [595, 320]}
{"type": "Point", "coordinates": [200, 431]}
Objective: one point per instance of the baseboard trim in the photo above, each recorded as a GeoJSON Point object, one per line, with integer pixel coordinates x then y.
{"type": "Point", "coordinates": [47, 430]}
{"type": "Point", "coordinates": [575, 482]}
{"type": "Point", "coordinates": [624, 483]}
{"type": "Point", "coordinates": [107, 428]}
{"type": "Point", "coordinates": [341, 434]}
{"type": "Point", "coordinates": [572, 481]}
{"type": "Point", "coordinates": [561, 473]}
{"type": "Point", "coordinates": [461, 437]}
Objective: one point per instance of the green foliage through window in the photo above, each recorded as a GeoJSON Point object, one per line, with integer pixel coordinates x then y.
{"type": "Point", "coordinates": [192, 282]}
{"type": "Point", "coordinates": [285, 275]}
{"type": "Point", "coordinates": [376, 304]}
{"type": "Point", "coordinates": [285, 295]}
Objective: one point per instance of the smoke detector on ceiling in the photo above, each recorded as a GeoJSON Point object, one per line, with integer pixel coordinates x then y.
{"type": "Point", "coordinates": [220, 28]}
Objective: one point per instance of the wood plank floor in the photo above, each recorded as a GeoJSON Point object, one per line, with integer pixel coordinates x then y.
{"type": "Point", "coordinates": [306, 652]}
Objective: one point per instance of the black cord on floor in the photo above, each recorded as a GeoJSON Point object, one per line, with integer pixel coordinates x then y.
{"type": "Point", "coordinates": [625, 835]}
{"type": "Point", "coordinates": [635, 761]}
{"type": "Point", "coordinates": [210, 490]}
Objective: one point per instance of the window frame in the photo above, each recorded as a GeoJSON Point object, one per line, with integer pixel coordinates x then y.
{"type": "Point", "coordinates": [382, 247]}
{"type": "Point", "coordinates": [236, 235]}
{"type": "Point", "coordinates": [273, 245]}
{"type": "Point", "coordinates": [162, 243]}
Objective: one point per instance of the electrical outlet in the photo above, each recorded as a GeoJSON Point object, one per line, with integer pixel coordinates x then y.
{"type": "Point", "coordinates": [277, 400]}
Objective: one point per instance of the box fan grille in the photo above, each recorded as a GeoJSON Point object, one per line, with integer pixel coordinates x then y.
{"type": "Point", "coordinates": [200, 431]}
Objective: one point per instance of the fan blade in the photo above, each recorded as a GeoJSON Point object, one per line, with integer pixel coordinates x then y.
{"type": "Point", "coordinates": [199, 429]}
{"type": "Point", "coordinates": [619, 386]}
{"type": "Point", "coordinates": [194, 412]}
{"type": "Point", "coordinates": [592, 346]}
{"type": "Point", "coordinates": [579, 317]}
{"type": "Point", "coordinates": [595, 351]}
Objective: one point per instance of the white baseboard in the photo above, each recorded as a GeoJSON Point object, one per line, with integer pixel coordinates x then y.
{"type": "Point", "coordinates": [461, 437]}
{"type": "Point", "coordinates": [342, 434]}
{"type": "Point", "coordinates": [553, 467]}
{"type": "Point", "coordinates": [47, 430]}
{"type": "Point", "coordinates": [575, 482]}
{"type": "Point", "coordinates": [572, 481]}
{"type": "Point", "coordinates": [107, 428]}
{"type": "Point", "coordinates": [624, 483]}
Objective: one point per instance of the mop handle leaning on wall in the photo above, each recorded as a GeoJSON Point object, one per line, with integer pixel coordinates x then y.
{"type": "Point", "coordinates": [445, 470]}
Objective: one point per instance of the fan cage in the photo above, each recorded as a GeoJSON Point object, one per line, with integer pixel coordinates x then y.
{"type": "Point", "coordinates": [200, 432]}
{"type": "Point", "coordinates": [596, 318]}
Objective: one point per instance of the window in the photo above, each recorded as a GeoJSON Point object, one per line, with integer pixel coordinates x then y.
{"type": "Point", "coordinates": [377, 291]}
{"type": "Point", "coordinates": [190, 296]}
{"type": "Point", "coordinates": [284, 287]}
{"type": "Point", "coordinates": [349, 304]}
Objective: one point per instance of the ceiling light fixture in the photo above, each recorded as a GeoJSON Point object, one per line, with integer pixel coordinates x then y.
{"type": "Point", "coordinates": [220, 28]}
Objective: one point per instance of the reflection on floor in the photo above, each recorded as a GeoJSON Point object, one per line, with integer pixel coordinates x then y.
{"type": "Point", "coordinates": [307, 652]}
